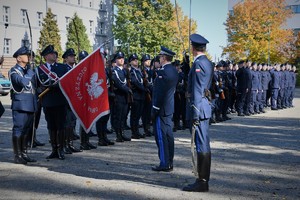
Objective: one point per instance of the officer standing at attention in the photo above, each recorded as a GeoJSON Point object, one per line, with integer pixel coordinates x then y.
{"type": "Point", "coordinates": [163, 108]}
{"type": "Point", "coordinates": [53, 102]}
{"type": "Point", "coordinates": [122, 92]}
{"type": "Point", "coordinates": [69, 58]}
{"type": "Point", "coordinates": [24, 104]}
{"type": "Point", "coordinates": [138, 90]}
{"type": "Point", "coordinates": [199, 81]}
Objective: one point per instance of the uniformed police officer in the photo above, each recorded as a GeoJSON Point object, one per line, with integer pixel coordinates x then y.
{"type": "Point", "coordinates": [148, 76]}
{"type": "Point", "coordinates": [163, 109]}
{"type": "Point", "coordinates": [275, 86]}
{"type": "Point", "coordinates": [53, 102]}
{"type": "Point", "coordinates": [138, 90]}
{"type": "Point", "coordinates": [122, 97]}
{"type": "Point", "coordinates": [69, 59]}
{"type": "Point", "coordinates": [101, 124]}
{"type": "Point", "coordinates": [85, 137]}
{"type": "Point", "coordinates": [199, 82]}
{"type": "Point", "coordinates": [241, 88]}
{"type": "Point", "coordinates": [24, 104]}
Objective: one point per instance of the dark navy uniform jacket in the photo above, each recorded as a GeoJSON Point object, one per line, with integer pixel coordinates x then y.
{"type": "Point", "coordinates": [151, 77]}
{"type": "Point", "coordinates": [255, 80]}
{"type": "Point", "coordinates": [180, 85]}
{"type": "Point", "coordinates": [54, 97]}
{"type": "Point", "coordinates": [265, 79]}
{"type": "Point", "coordinates": [120, 84]}
{"type": "Point", "coordinates": [242, 78]}
{"type": "Point", "coordinates": [137, 85]}
{"type": "Point", "coordinates": [199, 79]}
{"type": "Point", "coordinates": [23, 93]}
{"type": "Point", "coordinates": [275, 82]}
{"type": "Point", "coordinates": [163, 90]}
{"type": "Point", "coordinates": [287, 78]}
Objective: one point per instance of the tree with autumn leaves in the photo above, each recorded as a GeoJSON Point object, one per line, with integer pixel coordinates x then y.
{"type": "Point", "coordinates": [255, 31]}
{"type": "Point", "coordinates": [142, 26]}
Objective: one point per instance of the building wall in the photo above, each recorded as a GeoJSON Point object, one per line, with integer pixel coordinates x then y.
{"type": "Point", "coordinates": [88, 10]}
{"type": "Point", "coordinates": [291, 23]}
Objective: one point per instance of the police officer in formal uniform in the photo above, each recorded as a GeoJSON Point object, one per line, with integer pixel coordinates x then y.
{"type": "Point", "coordinates": [255, 82]}
{"type": "Point", "coordinates": [265, 80]}
{"type": "Point", "coordinates": [24, 104]}
{"type": "Point", "coordinates": [85, 137]}
{"type": "Point", "coordinates": [101, 124]}
{"type": "Point", "coordinates": [275, 86]}
{"type": "Point", "coordinates": [179, 99]}
{"type": "Point", "coordinates": [148, 76]}
{"type": "Point", "coordinates": [199, 82]}
{"type": "Point", "coordinates": [69, 59]}
{"type": "Point", "coordinates": [122, 95]}
{"type": "Point", "coordinates": [163, 109]}
{"type": "Point", "coordinates": [138, 90]}
{"type": "Point", "coordinates": [53, 102]}
{"type": "Point", "coordinates": [241, 88]}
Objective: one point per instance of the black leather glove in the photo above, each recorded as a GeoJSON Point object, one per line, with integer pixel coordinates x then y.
{"type": "Point", "coordinates": [154, 113]}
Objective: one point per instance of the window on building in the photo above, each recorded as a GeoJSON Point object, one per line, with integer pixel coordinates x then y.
{"type": "Point", "coordinates": [6, 46]}
{"type": "Point", "coordinates": [231, 12]}
{"type": "Point", "coordinates": [67, 22]}
{"type": "Point", "coordinates": [91, 4]}
{"type": "Point", "coordinates": [39, 18]}
{"type": "Point", "coordinates": [6, 14]}
{"type": "Point", "coordinates": [79, 2]}
{"type": "Point", "coordinates": [101, 28]}
{"type": "Point", "coordinates": [91, 26]}
{"type": "Point", "coordinates": [294, 8]}
{"type": "Point", "coordinates": [296, 31]}
{"type": "Point", "coordinates": [25, 43]}
{"type": "Point", "coordinates": [23, 16]}
{"type": "Point", "coordinates": [101, 4]}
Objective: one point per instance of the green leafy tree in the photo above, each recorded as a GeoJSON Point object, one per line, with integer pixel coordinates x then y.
{"type": "Point", "coordinates": [255, 31]}
{"type": "Point", "coordinates": [50, 34]}
{"type": "Point", "coordinates": [77, 37]}
{"type": "Point", "coordinates": [141, 26]}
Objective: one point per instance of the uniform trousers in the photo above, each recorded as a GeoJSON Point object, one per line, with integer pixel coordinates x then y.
{"type": "Point", "coordinates": [162, 128]}
{"type": "Point", "coordinates": [22, 122]}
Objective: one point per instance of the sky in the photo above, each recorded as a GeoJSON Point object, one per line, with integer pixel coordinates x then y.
{"type": "Point", "coordinates": [210, 16]}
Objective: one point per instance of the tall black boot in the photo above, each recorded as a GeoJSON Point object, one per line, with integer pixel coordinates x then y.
{"type": "Point", "coordinates": [17, 143]}
{"type": "Point", "coordinates": [88, 142]}
{"type": "Point", "coordinates": [67, 150]}
{"type": "Point", "coordinates": [70, 141]}
{"type": "Point", "coordinates": [106, 139]}
{"type": "Point", "coordinates": [203, 168]}
{"type": "Point", "coordinates": [24, 139]}
{"type": "Point", "coordinates": [147, 130]}
{"type": "Point", "coordinates": [124, 137]}
{"type": "Point", "coordinates": [134, 133]}
{"type": "Point", "coordinates": [101, 140]}
{"type": "Point", "coordinates": [119, 135]}
{"type": "Point", "coordinates": [83, 139]}
{"type": "Point", "coordinates": [60, 144]}
{"type": "Point", "coordinates": [53, 138]}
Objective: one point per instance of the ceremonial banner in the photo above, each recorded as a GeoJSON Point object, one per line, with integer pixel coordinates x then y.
{"type": "Point", "coordinates": [85, 88]}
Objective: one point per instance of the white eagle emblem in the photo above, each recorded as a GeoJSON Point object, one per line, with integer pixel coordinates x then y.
{"type": "Point", "coordinates": [94, 89]}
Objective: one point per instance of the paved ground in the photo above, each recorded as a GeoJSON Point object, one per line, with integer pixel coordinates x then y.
{"type": "Point", "coordinates": [255, 157]}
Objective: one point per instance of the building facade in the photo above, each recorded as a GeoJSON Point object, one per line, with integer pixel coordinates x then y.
{"type": "Point", "coordinates": [291, 23]}
{"type": "Point", "coordinates": [97, 16]}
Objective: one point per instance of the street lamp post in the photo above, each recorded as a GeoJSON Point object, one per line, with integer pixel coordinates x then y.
{"type": "Point", "coordinates": [269, 45]}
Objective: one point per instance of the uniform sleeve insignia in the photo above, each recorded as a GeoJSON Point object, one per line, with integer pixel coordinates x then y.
{"type": "Point", "coordinates": [198, 70]}
{"type": "Point", "coordinates": [159, 76]}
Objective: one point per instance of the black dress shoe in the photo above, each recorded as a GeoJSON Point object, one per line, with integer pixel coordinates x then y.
{"type": "Point", "coordinates": [247, 114]}
{"type": "Point", "coordinates": [27, 158]}
{"type": "Point", "coordinates": [74, 149]}
{"type": "Point", "coordinates": [52, 155]}
{"type": "Point", "coordinates": [161, 169]}
{"type": "Point", "coordinates": [274, 108]}
{"type": "Point", "coordinates": [241, 114]}
{"type": "Point", "coordinates": [198, 186]}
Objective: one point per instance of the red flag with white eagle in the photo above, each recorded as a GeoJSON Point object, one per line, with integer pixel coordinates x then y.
{"type": "Point", "coordinates": [85, 89]}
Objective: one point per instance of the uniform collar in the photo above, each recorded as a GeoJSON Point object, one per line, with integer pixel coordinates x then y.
{"type": "Point", "coordinates": [120, 67]}
{"type": "Point", "coordinates": [162, 67]}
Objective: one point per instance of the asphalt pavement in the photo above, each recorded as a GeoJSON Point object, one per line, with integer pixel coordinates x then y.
{"type": "Point", "coordinates": [256, 157]}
